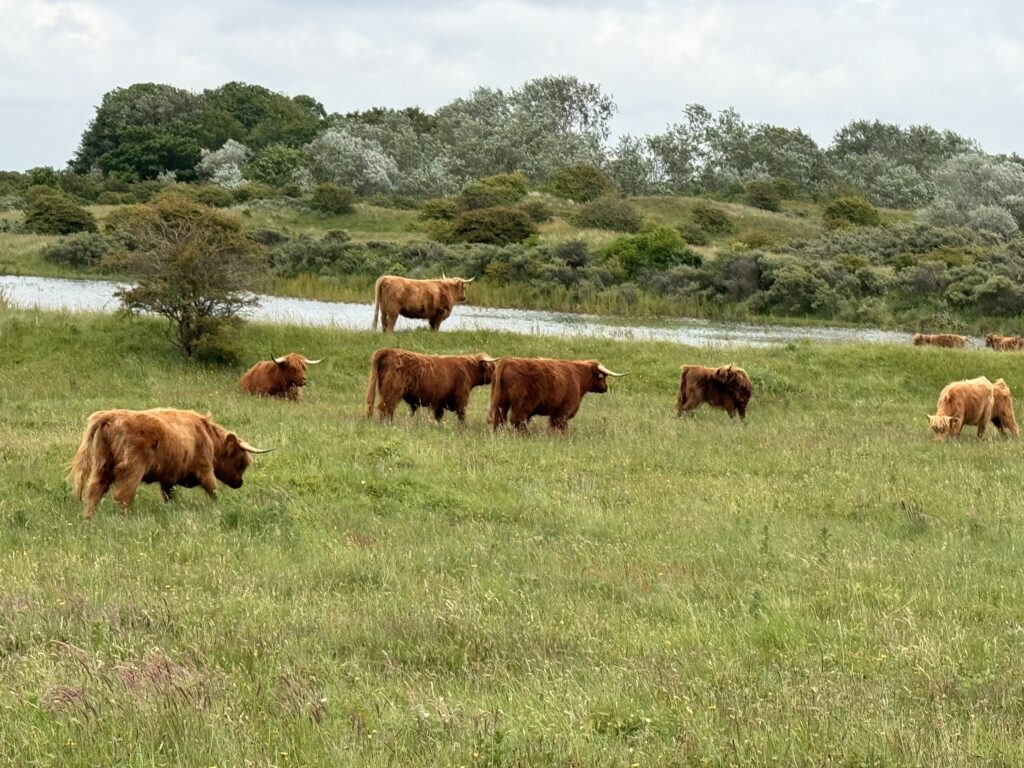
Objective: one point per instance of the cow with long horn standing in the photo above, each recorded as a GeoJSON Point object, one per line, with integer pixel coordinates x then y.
{"type": "Point", "coordinates": [277, 377]}
{"type": "Point", "coordinates": [162, 445]}
{"type": "Point", "coordinates": [430, 300]}
{"type": "Point", "coordinates": [525, 387]}
{"type": "Point", "coordinates": [437, 382]}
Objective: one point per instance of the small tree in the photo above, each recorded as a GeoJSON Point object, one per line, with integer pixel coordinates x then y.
{"type": "Point", "coordinates": [581, 183]}
{"type": "Point", "coordinates": [763, 195]}
{"type": "Point", "coordinates": [850, 211]}
{"type": "Point", "coordinates": [192, 264]}
{"type": "Point", "coordinates": [332, 198]}
{"type": "Point", "coordinates": [57, 214]}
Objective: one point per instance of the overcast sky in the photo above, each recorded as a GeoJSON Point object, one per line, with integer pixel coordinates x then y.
{"type": "Point", "coordinates": [813, 65]}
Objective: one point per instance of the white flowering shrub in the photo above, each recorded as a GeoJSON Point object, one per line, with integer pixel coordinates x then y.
{"type": "Point", "coordinates": [225, 166]}
{"type": "Point", "coordinates": [338, 157]}
{"type": "Point", "coordinates": [980, 192]}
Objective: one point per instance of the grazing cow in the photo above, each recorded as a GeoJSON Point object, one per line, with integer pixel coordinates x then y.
{"type": "Point", "coordinates": [430, 300]}
{"type": "Point", "coordinates": [437, 382]}
{"type": "Point", "coordinates": [1004, 343]}
{"type": "Point", "coordinates": [1002, 409]}
{"type": "Point", "coordinates": [161, 445]}
{"type": "Point", "coordinates": [963, 403]}
{"type": "Point", "coordinates": [726, 387]}
{"type": "Point", "coordinates": [525, 387]}
{"type": "Point", "coordinates": [939, 339]}
{"type": "Point", "coordinates": [277, 377]}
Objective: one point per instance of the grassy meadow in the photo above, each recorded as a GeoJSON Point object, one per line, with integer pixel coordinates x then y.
{"type": "Point", "coordinates": [822, 585]}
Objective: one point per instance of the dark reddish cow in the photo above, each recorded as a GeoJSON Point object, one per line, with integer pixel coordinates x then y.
{"type": "Point", "coordinates": [1004, 343]}
{"type": "Point", "coordinates": [726, 387]}
{"type": "Point", "coordinates": [525, 387]}
{"type": "Point", "coordinates": [161, 445]}
{"type": "Point", "coordinates": [430, 300]}
{"type": "Point", "coordinates": [277, 377]}
{"type": "Point", "coordinates": [437, 382]}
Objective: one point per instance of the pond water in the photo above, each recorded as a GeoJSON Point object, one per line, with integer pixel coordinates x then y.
{"type": "Point", "coordinates": [98, 296]}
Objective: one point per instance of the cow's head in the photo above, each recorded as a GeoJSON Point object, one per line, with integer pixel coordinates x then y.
{"type": "Point", "coordinates": [990, 340]}
{"type": "Point", "coordinates": [484, 368]}
{"type": "Point", "coordinates": [736, 381]}
{"type": "Point", "coordinates": [942, 426]}
{"type": "Point", "coordinates": [457, 288]}
{"type": "Point", "coordinates": [918, 338]}
{"type": "Point", "coordinates": [292, 368]}
{"type": "Point", "coordinates": [233, 459]}
{"type": "Point", "coordinates": [599, 377]}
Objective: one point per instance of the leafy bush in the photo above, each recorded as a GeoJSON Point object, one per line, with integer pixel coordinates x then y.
{"type": "Point", "coordinates": [537, 210]}
{"type": "Point", "coordinates": [693, 233]}
{"type": "Point", "coordinates": [57, 214]}
{"type": "Point", "coordinates": [712, 219]}
{"type": "Point", "coordinates": [581, 183]}
{"type": "Point", "coordinates": [80, 251]}
{"type": "Point", "coordinates": [439, 209]}
{"type": "Point", "coordinates": [763, 195]}
{"type": "Point", "coordinates": [611, 213]}
{"type": "Point", "coordinates": [115, 198]}
{"type": "Point", "coordinates": [794, 289]}
{"type": "Point", "coordinates": [395, 202]}
{"type": "Point", "coordinates": [655, 249]}
{"type": "Point", "coordinates": [332, 199]}
{"type": "Point", "coordinates": [850, 212]}
{"type": "Point", "coordinates": [253, 190]}
{"type": "Point", "coordinates": [496, 191]}
{"type": "Point", "coordinates": [786, 188]}
{"type": "Point", "coordinates": [574, 253]}
{"type": "Point", "coordinates": [498, 226]}
{"type": "Point", "coordinates": [269, 237]}
{"type": "Point", "coordinates": [213, 195]}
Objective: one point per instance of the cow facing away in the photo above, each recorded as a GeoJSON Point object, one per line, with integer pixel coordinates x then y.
{"type": "Point", "coordinates": [437, 382]}
{"type": "Point", "coordinates": [161, 445]}
{"type": "Point", "coordinates": [1002, 409]}
{"type": "Point", "coordinates": [939, 340]}
{"type": "Point", "coordinates": [970, 402]}
{"type": "Point", "coordinates": [526, 387]}
{"type": "Point", "coordinates": [725, 387]}
{"type": "Point", "coordinates": [1004, 343]}
{"type": "Point", "coordinates": [277, 377]}
{"type": "Point", "coordinates": [430, 300]}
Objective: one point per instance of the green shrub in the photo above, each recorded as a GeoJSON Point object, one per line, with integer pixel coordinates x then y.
{"type": "Point", "coordinates": [332, 198]}
{"type": "Point", "coordinates": [337, 236]}
{"type": "Point", "coordinates": [497, 226]}
{"type": "Point", "coordinates": [537, 210]}
{"type": "Point", "coordinates": [574, 253]}
{"type": "Point", "coordinates": [850, 212]}
{"type": "Point", "coordinates": [612, 213]}
{"type": "Point", "coordinates": [654, 249]}
{"type": "Point", "coordinates": [581, 183]}
{"type": "Point", "coordinates": [57, 214]}
{"type": "Point", "coordinates": [253, 190]}
{"type": "Point", "coordinates": [80, 251]}
{"type": "Point", "coordinates": [693, 233]}
{"type": "Point", "coordinates": [763, 195]}
{"type": "Point", "coordinates": [395, 202]}
{"type": "Point", "coordinates": [269, 237]}
{"type": "Point", "coordinates": [291, 189]}
{"type": "Point", "coordinates": [785, 187]}
{"type": "Point", "coordinates": [213, 196]}
{"type": "Point", "coordinates": [497, 191]}
{"type": "Point", "coordinates": [712, 219]}
{"type": "Point", "coordinates": [439, 209]}
{"type": "Point", "coordinates": [115, 198]}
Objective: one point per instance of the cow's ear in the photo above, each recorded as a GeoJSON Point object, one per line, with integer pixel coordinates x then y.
{"type": "Point", "coordinates": [231, 441]}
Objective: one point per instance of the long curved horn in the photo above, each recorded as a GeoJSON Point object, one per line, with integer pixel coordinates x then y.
{"type": "Point", "coordinates": [489, 359]}
{"type": "Point", "coordinates": [278, 360]}
{"type": "Point", "coordinates": [470, 280]}
{"type": "Point", "coordinates": [250, 449]}
{"type": "Point", "coordinates": [606, 372]}
{"type": "Point", "coordinates": [313, 362]}
{"type": "Point", "coordinates": [443, 275]}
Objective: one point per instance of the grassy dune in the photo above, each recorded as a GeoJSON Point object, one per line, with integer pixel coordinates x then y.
{"type": "Point", "coordinates": [821, 585]}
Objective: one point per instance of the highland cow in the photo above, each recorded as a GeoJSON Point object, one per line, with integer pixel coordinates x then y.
{"type": "Point", "coordinates": [430, 300]}
{"type": "Point", "coordinates": [725, 387]}
{"type": "Point", "coordinates": [939, 340]}
{"type": "Point", "coordinates": [964, 403]}
{"type": "Point", "coordinates": [277, 377]}
{"type": "Point", "coordinates": [1004, 343]}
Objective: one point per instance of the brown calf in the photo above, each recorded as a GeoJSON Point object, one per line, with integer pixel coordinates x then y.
{"type": "Point", "coordinates": [726, 387]}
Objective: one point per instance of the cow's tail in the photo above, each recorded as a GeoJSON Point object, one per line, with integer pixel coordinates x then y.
{"type": "Point", "coordinates": [371, 385]}
{"type": "Point", "coordinates": [91, 453]}
{"type": "Point", "coordinates": [376, 301]}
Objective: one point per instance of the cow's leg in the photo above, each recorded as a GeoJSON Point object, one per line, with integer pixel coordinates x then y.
{"type": "Point", "coordinates": [99, 484]}
{"type": "Point", "coordinates": [741, 409]}
{"type": "Point", "coordinates": [208, 482]}
{"type": "Point", "coordinates": [557, 425]}
{"type": "Point", "coordinates": [387, 321]}
{"type": "Point", "coordinates": [167, 491]}
{"type": "Point", "coordinates": [520, 420]}
{"type": "Point", "coordinates": [981, 428]}
{"type": "Point", "coordinates": [680, 403]}
{"type": "Point", "coordinates": [127, 482]}
{"type": "Point", "coordinates": [730, 407]}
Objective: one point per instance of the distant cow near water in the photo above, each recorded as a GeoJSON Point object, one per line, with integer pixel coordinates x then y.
{"type": "Point", "coordinates": [161, 445]}
{"type": "Point", "coordinates": [527, 387]}
{"type": "Point", "coordinates": [277, 377]}
{"type": "Point", "coordinates": [437, 382]}
{"type": "Point", "coordinates": [430, 300]}
{"type": "Point", "coordinates": [939, 339]}
{"type": "Point", "coordinates": [725, 387]}
{"type": "Point", "coordinates": [1004, 343]}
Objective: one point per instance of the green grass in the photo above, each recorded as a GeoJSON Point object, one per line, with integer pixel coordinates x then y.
{"type": "Point", "coordinates": [820, 585]}
{"type": "Point", "coordinates": [365, 223]}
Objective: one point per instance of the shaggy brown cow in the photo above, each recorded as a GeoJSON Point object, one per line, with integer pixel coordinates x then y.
{"type": "Point", "coordinates": [726, 387]}
{"type": "Point", "coordinates": [1004, 343]}
{"type": "Point", "coordinates": [967, 402]}
{"type": "Point", "coordinates": [430, 300]}
{"type": "Point", "coordinates": [525, 387]}
{"type": "Point", "coordinates": [161, 445]}
{"type": "Point", "coordinates": [939, 339]}
{"type": "Point", "coordinates": [1002, 408]}
{"type": "Point", "coordinates": [278, 377]}
{"type": "Point", "coordinates": [437, 382]}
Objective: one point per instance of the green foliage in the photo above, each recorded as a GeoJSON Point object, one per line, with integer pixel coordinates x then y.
{"type": "Point", "coordinates": [495, 226]}
{"type": "Point", "coordinates": [693, 233]}
{"type": "Point", "coordinates": [212, 195]}
{"type": "Point", "coordinates": [537, 210]}
{"type": "Point", "coordinates": [712, 219]}
{"type": "Point", "coordinates": [850, 212]}
{"type": "Point", "coordinates": [580, 183]}
{"type": "Point", "coordinates": [191, 264]}
{"type": "Point", "coordinates": [612, 213]}
{"type": "Point", "coordinates": [394, 202]}
{"type": "Point", "coordinates": [763, 195]}
{"type": "Point", "coordinates": [56, 214]}
{"type": "Point", "coordinates": [332, 199]}
{"type": "Point", "coordinates": [786, 188]}
{"type": "Point", "coordinates": [657, 248]}
{"type": "Point", "coordinates": [500, 190]}
{"type": "Point", "coordinates": [84, 251]}
{"type": "Point", "coordinates": [275, 165]}
{"type": "Point", "coordinates": [439, 209]}
{"type": "Point", "coordinates": [253, 190]}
